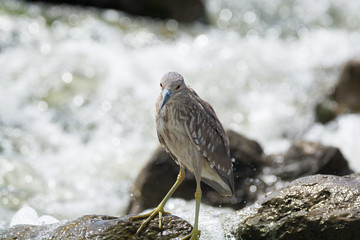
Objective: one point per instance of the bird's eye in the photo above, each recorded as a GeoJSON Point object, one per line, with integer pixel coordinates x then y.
{"type": "Point", "coordinates": [178, 87]}
{"type": "Point", "coordinates": [161, 85]}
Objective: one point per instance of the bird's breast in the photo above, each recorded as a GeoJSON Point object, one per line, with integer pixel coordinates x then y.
{"type": "Point", "coordinates": [170, 125]}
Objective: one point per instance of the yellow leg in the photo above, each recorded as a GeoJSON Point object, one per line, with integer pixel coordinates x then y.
{"type": "Point", "coordinates": [160, 208]}
{"type": "Point", "coordinates": [195, 233]}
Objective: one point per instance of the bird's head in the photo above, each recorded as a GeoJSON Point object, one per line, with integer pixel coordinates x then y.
{"type": "Point", "coordinates": [172, 84]}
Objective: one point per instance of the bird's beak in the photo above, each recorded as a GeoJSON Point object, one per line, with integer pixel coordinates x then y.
{"type": "Point", "coordinates": [167, 93]}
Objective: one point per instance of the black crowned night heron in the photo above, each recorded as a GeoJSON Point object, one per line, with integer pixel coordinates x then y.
{"type": "Point", "coordinates": [191, 133]}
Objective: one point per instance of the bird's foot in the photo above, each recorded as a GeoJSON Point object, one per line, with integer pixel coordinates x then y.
{"type": "Point", "coordinates": [194, 235]}
{"type": "Point", "coordinates": [157, 211]}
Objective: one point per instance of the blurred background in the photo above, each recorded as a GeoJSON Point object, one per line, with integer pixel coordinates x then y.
{"type": "Point", "coordinates": [78, 87]}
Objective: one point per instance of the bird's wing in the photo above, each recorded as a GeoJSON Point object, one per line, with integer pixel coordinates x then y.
{"type": "Point", "coordinates": [207, 133]}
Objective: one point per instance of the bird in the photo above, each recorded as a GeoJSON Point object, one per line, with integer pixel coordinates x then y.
{"type": "Point", "coordinates": [190, 131]}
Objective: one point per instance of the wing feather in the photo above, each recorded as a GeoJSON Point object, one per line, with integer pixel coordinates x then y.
{"type": "Point", "coordinates": [207, 133]}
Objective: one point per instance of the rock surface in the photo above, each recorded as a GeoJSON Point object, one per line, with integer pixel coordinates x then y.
{"type": "Point", "coordinates": [346, 96]}
{"type": "Point", "coordinates": [160, 173]}
{"type": "Point", "coordinates": [101, 227]}
{"type": "Point", "coordinates": [181, 10]}
{"type": "Point", "coordinates": [313, 207]}
{"type": "Point", "coordinates": [254, 173]}
{"type": "Point", "coordinates": [307, 158]}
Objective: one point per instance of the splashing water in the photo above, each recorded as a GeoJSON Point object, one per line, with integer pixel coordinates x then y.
{"type": "Point", "coordinates": [78, 89]}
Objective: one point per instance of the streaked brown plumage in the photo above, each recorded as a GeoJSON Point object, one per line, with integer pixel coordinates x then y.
{"type": "Point", "coordinates": [191, 133]}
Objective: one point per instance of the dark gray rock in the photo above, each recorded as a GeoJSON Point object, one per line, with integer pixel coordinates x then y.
{"type": "Point", "coordinates": [181, 10]}
{"type": "Point", "coordinates": [347, 91]}
{"type": "Point", "coordinates": [252, 171]}
{"type": "Point", "coordinates": [314, 207]}
{"type": "Point", "coordinates": [159, 174]}
{"type": "Point", "coordinates": [308, 158]}
{"type": "Point", "coordinates": [346, 95]}
{"type": "Point", "coordinates": [101, 227]}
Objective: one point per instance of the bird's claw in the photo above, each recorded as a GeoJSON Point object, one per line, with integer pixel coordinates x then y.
{"type": "Point", "coordinates": [149, 216]}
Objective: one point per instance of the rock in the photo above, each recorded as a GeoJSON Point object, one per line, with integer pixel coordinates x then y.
{"type": "Point", "coordinates": [313, 207]}
{"type": "Point", "coordinates": [307, 158]}
{"type": "Point", "coordinates": [346, 96]}
{"type": "Point", "coordinates": [248, 161]}
{"type": "Point", "coordinates": [254, 173]}
{"type": "Point", "coordinates": [181, 10]}
{"type": "Point", "coordinates": [347, 91]}
{"type": "Point", "coordinates": [325, 111]}
{"type": "Point", "coordinates": [101, 227]}
{"type": "Point", "coordinates": [160, 173]}
{"type": "Point", "coordinates": [155, 180]}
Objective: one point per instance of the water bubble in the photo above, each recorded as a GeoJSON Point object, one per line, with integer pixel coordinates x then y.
{"type": "Point", "coordinates": [273, 33]}
{"type": "Point", "coordinates": [67, 77]}
{"type": "Point", "coordinates": [25, 150]}
{"type": "Point", "coordinates": [326, 20]}
{"type": "Point", "coordinates": [34, 28]}
{"type": "Point", "coordinates": [201, 40]}
{"type": "Point", "coordinates": [51, 183]}
{"type": "Point", "coordinates": [253, 188]}
{"type": "Point", "coordinates": [171, 205]}
{"type": "Point", "coordinates": [56, 25]}
{"type": "Point", "coordinates": [5, 201]}
{"type": "Point", "coordinates": [78, 101]}
{"type": "Point", "coordinates": [16, 201]}
{"type": "Point", "coordinates": [111, 15]}
{"type": "Point", "coordinates": [45, 48]}
{"type": "Point", "coordinates": [172, 25]}
{"type": "Point", "coordinates": [303, 32]}
{"type": "Point", "coordinates": [269, 179]}
{"type": "Point", "coordinates": [42, 106]}
{"type": "Point", "coordinates": [106, 106]}
{"type": "Point", "coordinates": [28, 178]}
{"type": "Point", "coordinates": [249, 17]}
{"type": "Point", "coordinates": [222, 23]}
{"type": "Point", "coordinates": [252, 34]}
{"type": "Point", "coordinates": [124, 21]}
{"type": "Point", "coordinates": [225, 14]}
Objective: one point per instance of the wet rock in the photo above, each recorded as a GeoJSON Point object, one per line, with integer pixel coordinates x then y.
{"type": "Point", "coordinates": [101, 227]}
{"type": "Point", "coordinates": [347, 91]}
{"type": "Point", "coordinates": [248, 161]}
{"type": "Point", "coordinates": [325, 110]}
{"type": "Point", "coordinates": [181, 10]}
{"type": "Point", "coordinates": [155, 180]}
{"type": "Point", "coordinates": [254, 173]}
{"type": "Point", "coordinates": [160, 173]}
{"type": "Point", "coordinates": [346, 96]}
{"type": "Point", "coordinates": [313, 207]}
{"type": "Point", "coordinates": [307, 158]}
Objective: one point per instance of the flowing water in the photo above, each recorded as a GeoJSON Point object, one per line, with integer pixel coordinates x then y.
{"type": "Point", "coordinates": [78, 90]}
